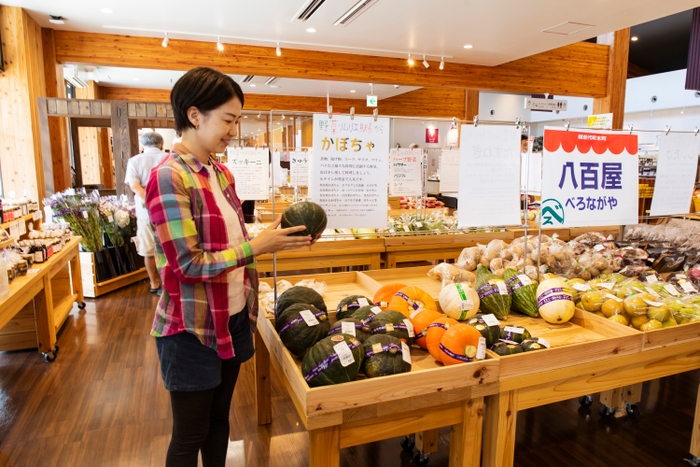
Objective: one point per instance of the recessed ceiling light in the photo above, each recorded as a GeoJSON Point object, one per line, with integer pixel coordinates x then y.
{"type": "Point", "coordinates": [56, 19]}
{"type": "Point", "coordinates": [468, 46]}
{"type": "Point", "coordinates": [107, 10]}
{"type": "Point", "coordinates": [252, 85]}
{"type": "Point", "coordinates": [274, 86]}
{"type": "Point", "coordinates": [634, 39]}
{"type": "Point", "coordinates": [311, 30]}
{"type": "Point", "coordinates": [136, 79]}
{"type": "Point", "coordinates": [245, 116]}
{"type": "Point", "coordinates": [352, 90]}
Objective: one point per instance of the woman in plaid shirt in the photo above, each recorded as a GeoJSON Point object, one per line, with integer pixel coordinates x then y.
{"type": "Point", "coordinates": [205, 317]}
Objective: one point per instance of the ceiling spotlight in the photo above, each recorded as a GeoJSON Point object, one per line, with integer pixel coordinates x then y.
{"type": "Point", "coordinates": [96, 78]}
{"type": "Point", "coordinates": [468, 46]}
{"type": "Point", "coordinates": [274, 86]}
{"type": "Point", "coordinates": [442, 63]}
{"type": "Point", "coordinates": [245, 116]}
{"type": "Point", "coordinates": [107, 10]}
{"type": "Point", "coordinates": [311, 30]}
{"type": "Point", "coordinates": [252, 85]}
{"type": "Point", "coordinates": [219, 45]}
{"type": "Point", "coordinates": [634, 38]}
{"type": "Point", "coordinates": [352, 91]}
{"type": "Point", "coordinates": [410, 60]}
{"type": "Point", "coordinates": [425, 62]}
{"type": "Point", "coordinates": [396, 86]}
{"type": "Point", "coordinates": [683, 111]}
{"type": "Point", "coordinates": [56, 19]}
{"type": "Point", "coordinates": [165, 40]}
{"type": "Point", "coordinates": [279, 50]}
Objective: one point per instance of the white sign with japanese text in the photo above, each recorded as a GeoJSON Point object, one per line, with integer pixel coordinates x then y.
{"type": "Point", "coordinates": [489, 176]}
{"type": "Point", "coordinates": [676, 169]}
{"type": "Point", "coordinates": [449, 171]}
{"type": "Point", "coordinates": [589, 178]}
{"type": "Point", "coordinates": [350, 170]}
{"type": "Point", "coordinates": [299, 166]}
{"type": "Point", "coordinates": [405, 172]}
{"type": "Point", "coordinates": [250, 168]}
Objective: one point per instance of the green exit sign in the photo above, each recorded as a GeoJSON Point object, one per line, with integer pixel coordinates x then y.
{"type": "Point", "coordinates": [371, 101]}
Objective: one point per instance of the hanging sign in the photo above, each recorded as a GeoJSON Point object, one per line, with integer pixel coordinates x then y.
{"type": "Point", "coordinates": [432, 135]}
{"type": "Point", "coordinates": [371, 101]}
{"type": "Point", "coordinates": [405, 172]}
{"type": "Point", "coordinates": [536, 103]}
{"type": "Point", "coordinates": [676, 169]}
{"type": "Point", "coordinates": [350, 170]}
{"type": "Point", "coordinates": [449, 171]}
{"type": "Point", "coordinates": [489, 179]}
{"type": "Point", "coordinates": [589, 178]}
{"type": "Point", "coordinates": [250, 168]}
{"type": "Point", "coordinates": [299, 166]}
{"type": "Point", "coordinates": [600, 122]}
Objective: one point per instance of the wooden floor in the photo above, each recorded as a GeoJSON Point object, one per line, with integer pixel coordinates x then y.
{"type": "Point", "coordinates": [102, 403]}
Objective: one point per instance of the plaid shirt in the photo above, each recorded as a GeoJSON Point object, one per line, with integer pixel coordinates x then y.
{"type": "Point", "coordinates": [192, 252]}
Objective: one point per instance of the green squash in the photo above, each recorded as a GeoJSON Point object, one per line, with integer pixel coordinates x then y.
{"type": "Point", "coordinates": [322, 364]}
{"type": "Point", "coordinates": [306, 213]}
{"type": "Point", "coordinates": [515, 334]}
{"type": "Point", "coordinates": [493, 293]}
{"type": "Point", "coordinates": [383, 356]}
{"type": "Point", "coordinates": [523, 292]}
{"type": "Point", "coordinates": [491, 333]}
{"type": "Point", "coordinates": [366, 313]}
{"type": "Point", "coordinates": [296, 334]}
{"type": "Point", "coordinates": [349, 305]}
{"type": "Point", "coordinates": [503, 349]}
{"type": "Point", "coordinates": [529, 345]}
{"type": "Point", "coordinates": [361, 329]}
{"type": "Point", "coordinates": [299, 295]}
{"type": "Point", "coordinates": [393, 323]}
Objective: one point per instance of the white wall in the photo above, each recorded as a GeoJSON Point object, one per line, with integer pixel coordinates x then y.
{"type": "Point", "coordinates": [407, 132]}
{"type": "Point", "coordinates": [669, 88]}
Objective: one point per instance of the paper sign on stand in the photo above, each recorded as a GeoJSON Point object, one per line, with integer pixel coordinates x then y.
{"type": "Point", "coordinates": [489, 176]}
{"type": "Point", "coordinates": [600, 122]}
{"type": "Point", "coordinates": [589, 178]}
{"type": "Point", "coordinates": [250, 168]}
{"type": "Point", "coordinates": [299, 166]}
{"type": "Point", "coordinates": [350, 170]}
{"type": "Point", "coordinates": [405, 172]}
{"type": "Point", "coordinates": [449, 171]}
{"type": "Point", "coordinates": [531, 173]}
{"type": "Point", "coordinates": [676, 169]}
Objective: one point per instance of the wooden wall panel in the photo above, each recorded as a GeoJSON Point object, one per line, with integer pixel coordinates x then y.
{"type": "Point", "coordinates": [20, 85]}
{"type": "Point", "coordinates": [579, 69]}
{"type": "Point", "coordinates": [471, 106]}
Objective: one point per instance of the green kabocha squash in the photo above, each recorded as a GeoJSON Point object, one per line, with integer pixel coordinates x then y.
{"type": "Point", "coordinates": [351, 327]}
{"type": "Point", "coordinates": [515, 334]}
{"type": "Point", "coordinates": [394, 324]}
{"type": "Point", "coordinates": [296, 295]}
{"type": "Point", "coordinates": [523, 292]}
{"type": "Point", "coordinates": [301, 326]}
{"type": "Point", "coordinates": [306, 213]}
{"type": "Point", "coordinates": [366, 313]}
{"type": "Point", "coordinates": [491, 332]}
{"type": "Point", "coordinates": [493, 293]}
{"type": "Point", "coordinates": [529, 345]}
{"type": "Point", "coordinates": [333, 360]}
{"type": "Point", "coordinates": [384, 355]}
{"type": "Point", "coordinates": [503, 349]}
{"type": "Point", "coordinates": [350, 305]}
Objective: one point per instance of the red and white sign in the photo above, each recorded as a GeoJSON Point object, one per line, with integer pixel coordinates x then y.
{"type": "Point", "coordinates": [431, 135]}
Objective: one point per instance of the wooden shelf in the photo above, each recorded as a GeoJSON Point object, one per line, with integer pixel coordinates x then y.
{"type": "Point", "coordinates": [26, 218]}
{"type": "Point", "coordinates": [6, 243]}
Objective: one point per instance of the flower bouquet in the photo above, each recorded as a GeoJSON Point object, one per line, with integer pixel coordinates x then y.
{"type": "Point", "coordinates": [80, 211]}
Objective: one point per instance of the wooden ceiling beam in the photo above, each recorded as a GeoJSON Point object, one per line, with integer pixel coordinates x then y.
{"type": "Point", "coordinates": [579, 69]}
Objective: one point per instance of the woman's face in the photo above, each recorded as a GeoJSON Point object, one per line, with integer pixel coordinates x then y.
{"type": "Point", "coordinates": [219, 126]}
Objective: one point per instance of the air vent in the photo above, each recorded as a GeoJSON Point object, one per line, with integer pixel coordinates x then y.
{"type": "Point", "coordinates": [308, 10]}
{"type": "Point", "coordinates": [71, 75]}
{"type": "Point", "coordinates": [357, 9]}
{"type": "Point", "coordinates": [248, 79]}
{"type": "Point", "coordinates": [271, 80]}
{"type": "Point", "coordinates": [568, 28]}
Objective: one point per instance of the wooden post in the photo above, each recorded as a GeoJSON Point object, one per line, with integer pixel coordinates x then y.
{"type": "Point", "coordinates": [427, 441]}
{"type": "Point", "coordinates": [324, 447]}
{"type": "Point", "coordinates": [614, 101]}
{"type": "Point", "coordinates": [263, 384]}
{"type": "Point", "coordinates": [695, 440]}
{"type": "Point", "coordinates": [633, 394]}
{"type": "Point", "coordinates": [499, 429]}
{"type": "Point", "coordinates": [465, 438]}
{"type": "Point", "coordinates": [43, 309]}
{"type": "Point", "coordinates": [121, 143]}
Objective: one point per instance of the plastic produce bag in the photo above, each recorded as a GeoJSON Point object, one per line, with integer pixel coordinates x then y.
{"type": "Point", "coordinates": [449, 274]}
{"type": "Point", "coordinates": [469, 258]}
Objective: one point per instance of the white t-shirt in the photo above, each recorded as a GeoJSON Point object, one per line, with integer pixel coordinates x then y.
{"type": "Point", "coordinates": [138, 170]}
{"type": "Point", "coordinates": [236, 278]}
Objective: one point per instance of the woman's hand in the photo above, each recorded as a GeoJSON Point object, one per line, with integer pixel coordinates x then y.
{"type": "Point", "coordinates": [273, 239]}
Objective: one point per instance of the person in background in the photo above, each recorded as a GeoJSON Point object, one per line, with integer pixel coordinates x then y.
{"type": "Point", "coordinates": [205, 317]}
{"type": "Point", "coordinates": [138, 171]}
{"type": "Point", "coordinates": [523, 143]}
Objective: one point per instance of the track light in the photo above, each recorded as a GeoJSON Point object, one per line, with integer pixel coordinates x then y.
{"type": "Point", "coordinates": [442, 63]}
{"type": "Point", "coordinates": [165, 40]}
{"type": "Point", "coordinates": [410, 60]}
{"type": "Point", "coordinates": [425, 62]}
{"type": "Point", "coordinates": [279, 50]}
{"type": "Point", "coordinates": [219, 45]}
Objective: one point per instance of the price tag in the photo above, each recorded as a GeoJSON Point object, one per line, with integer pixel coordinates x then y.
{"type": "Point", "coordinates": [22, 227]}
{"type": "Point", "coordinates": [110, 218]}
{"type": "Point", "coordinates": [14, 230]}
{"type": "Point", "coordinates": [376, 310]}
{"type": "Point", "coordinates": [651, 278]}
{"type": "Point", "coordinates": [491, 320]}
{"type": "Point", "coordinates": [85, 214]}
{"type": "Point", "coordinates": [345, 354]}
{"type": "Point", "coordinates": [671, 289]}
{"type": "Point", "coordinates": [681, 276]}
{"type": "Point", "coordinates": [514, 329]}
{"type": "Point", "coordinates": [347, 327]}
{"type": "Point", "coordinates": [36, 215]}
{"type": "Point", "coordinates": [405, 353]}
{"type": "Point", "coordinates": [363, 301]}
{"type": "Point", "coordinates": [650, 303]}
{"type": "Point", "coordinates": [409, 327]}
{"type": "Point", "coordinates": [308, 317]}
{"type": "Point", "coordinates": [544, 342]}
{"type": "Point", "coordinates": [613, 297]}
{"type": "Point", "coordinates": [525, 279]}
{"type": "Point", "coordinates": [481, 349]}
{"type": "Point", "coordinates": [389, 327]}
{"type": "Point", "coordinates": [653, 292]}
{"type": "Point", "coordinates": [607, 285]}
{"type": "Point", "coordinates": [598, 248]}
{"type": "Point", "coordinates": [466, 305]}
{"type": "Point", "coordinates": [415, 312]}
{"type": "Point", "coordinates": [502, 288]}
{"type": "Point", "coordinates": [638, 290]}
{"type": "Point", "coordinates": [688, 287]}
{"type": "Point", "coordinates": [581, 287]}
{"type": "Point", "coordinates": [392, 231]}
{"type": "Point", "coordinates": [419, 225]}
{"type": "Point", "coordinates": [33, 271]}
{"type": "Point", "coordinates": [406, 229]}
{"type": "Point", "coordinates": [377, 348]}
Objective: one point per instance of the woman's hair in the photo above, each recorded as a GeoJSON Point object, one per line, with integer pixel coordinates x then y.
{"type": "Point", "coordinates": [204, 88]}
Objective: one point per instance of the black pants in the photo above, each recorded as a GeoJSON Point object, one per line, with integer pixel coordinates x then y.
{"type": "Point", "coordinates": [200, 423]}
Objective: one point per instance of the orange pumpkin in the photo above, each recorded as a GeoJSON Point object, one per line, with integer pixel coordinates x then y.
{"type": "Point", "coordinates": [420, 322]}
{"type": "Point", "coordinates": [411, 301]}
{"type": "Point", "coordinates": [434, 334]}
{"type": "Point", "coordinates": [459, 344]}
{"type": "Point", "coordinates": [385, 294]}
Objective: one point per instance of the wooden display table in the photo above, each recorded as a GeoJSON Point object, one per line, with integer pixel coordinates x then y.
{"type": "Point", "coordinates": [52, 289]}
{"type": "Point", "coordinates": [429, 397]}
{"type": "Point", "coordinates": [327, 254]}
